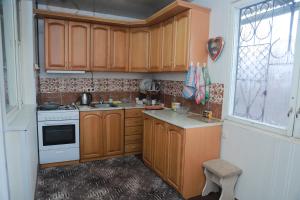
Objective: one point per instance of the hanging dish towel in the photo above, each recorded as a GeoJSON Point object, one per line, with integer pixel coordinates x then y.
{"type": "Point", "coordinates": [200, 85]}
{"type": "Point", "coordinates": [189, 83]}
{"type": "Point", "coordinates": [207, 83]}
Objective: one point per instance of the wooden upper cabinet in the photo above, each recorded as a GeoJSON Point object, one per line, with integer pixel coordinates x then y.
{"type": "Point", "coordinates": [56, 44]}
{"type": "Point", "coordinates": [167, 44]}
{"type": "Point", "coordinates": [91, 135]}
{"type": "Point", "coordinates": [155, 48]}
{"type": "Point", "coordinates": [119, 49]}
{"type": "Point", "coordinates": [175, 144]}
{"type": "Point", "coordinates": [79, 46]}
{"type": "Point", "coordinates": [160, 147]}
{"type": "Point", "coordinates": [100, 47]}
{"type": "Point", "coordinates": [181, 41]}
{"type": "Point", "coordinates": [113, 129]}
{"type": "Point", "coordinates": [139, 50]}
{"type": "Point", "coordinates": [148, 140]}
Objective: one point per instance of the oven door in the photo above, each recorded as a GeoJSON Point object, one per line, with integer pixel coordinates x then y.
{"type": "Point", "coordinates": [58, 134]}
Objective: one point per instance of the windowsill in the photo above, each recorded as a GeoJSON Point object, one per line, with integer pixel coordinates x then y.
{"type": "Point", "coordinates": [264, 127]}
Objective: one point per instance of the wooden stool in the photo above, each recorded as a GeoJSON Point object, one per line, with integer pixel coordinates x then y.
{"type": "Point", "coordinates": [220, 173]}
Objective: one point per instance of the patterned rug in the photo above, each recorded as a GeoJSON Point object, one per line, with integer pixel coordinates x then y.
{"type": "Point", "coordinates": [125, 178]}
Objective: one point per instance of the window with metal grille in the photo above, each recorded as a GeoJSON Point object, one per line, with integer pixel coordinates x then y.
{"type": "Point", "coordinates": [265, 61]}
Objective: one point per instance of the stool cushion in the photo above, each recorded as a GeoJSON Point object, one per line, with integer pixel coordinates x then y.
{"type": "Point", "coordinates": [222, 168]}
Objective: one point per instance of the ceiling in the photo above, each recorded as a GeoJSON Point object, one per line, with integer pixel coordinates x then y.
{"type": "Point", "coordinates": [139, 9]}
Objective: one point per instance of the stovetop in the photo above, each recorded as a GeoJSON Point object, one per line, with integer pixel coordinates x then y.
{"type": "Point", "coordinates": [61, 107]}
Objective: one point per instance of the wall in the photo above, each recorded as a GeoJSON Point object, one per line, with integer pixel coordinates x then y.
{"type": "Point", "coordinates": [270, 163]}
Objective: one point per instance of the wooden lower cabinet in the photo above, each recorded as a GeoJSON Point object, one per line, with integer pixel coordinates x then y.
{"type": "Point", "coordinates": [177, 154]}
{"type": "Point", "coordinates": [160, 147]}
{"type": "Point", "coordinates": [101, 134]}
{"type": "Point", "coordinates": [113, 131]}
{"type": "Point", "coordinates": [148, 140]}
{"type": "Point", "coordinates": [91, 135]}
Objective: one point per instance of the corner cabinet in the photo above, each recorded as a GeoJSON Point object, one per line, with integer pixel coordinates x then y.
{"type": "Point", "coordinates": [101, 134]}
{"type": "Point", "coordinates": [177, 154]}
{"type": "Point", "coordinates": [155, 49]}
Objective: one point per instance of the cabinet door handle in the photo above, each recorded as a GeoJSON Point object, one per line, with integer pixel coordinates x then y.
{"type": "Point", "coordinates": [290, 112]}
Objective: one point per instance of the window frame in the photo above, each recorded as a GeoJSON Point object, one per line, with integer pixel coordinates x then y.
{"type": "Point", "coordinates": [231, 79]}
{"type": "Point", "coordinates": [14, 57]}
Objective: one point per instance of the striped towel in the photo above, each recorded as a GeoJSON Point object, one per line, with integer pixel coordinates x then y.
{"type": "Point", "coordinates": [207, 82]}
{"type": "Point", "coordinates": [189, 83]}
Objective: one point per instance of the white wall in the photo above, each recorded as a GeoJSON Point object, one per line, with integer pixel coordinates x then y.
{"type": "Point", "coordinates": [270, 163]}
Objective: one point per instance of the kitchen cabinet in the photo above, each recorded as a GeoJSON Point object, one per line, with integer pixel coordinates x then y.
{"type": "Point", "coordinates": [148, 140]}
{"type": "Point", "coordinates": [56, 44]}
{"type": "Point", "coordinates": [181, 41]}
{"type": "Point", "coordinates": [91, 135]}
{"type": "Point", "coordinates": [160, 147]}
{"type": "Point", "coordinates": [133, 131]}
{"type": "Point", "coordinates": [174, 155]}
{"type": "Point", "coordinates": [177, 154]}
{"type": "Point", "coordinates": [139, 50]}
{"type": "Point", "coordinates": [167, 44]}
{"type": "Point", "coordinates": [155, 48]}
{"type": "Point", "coordinates": [79, 46]}
{"type": "Point", "coordinates": [100, 47]}
{"type": "Point", "coordinates": [101, 134]}
{"type": "Point", "coordinates": [119, 43]}
{"type": "Point", "coordinates": [113, 130]}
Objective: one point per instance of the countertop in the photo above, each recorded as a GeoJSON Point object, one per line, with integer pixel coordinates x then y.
{"type": "Point", "coordinates": [122, 106]}
{"type": "Point", "coordinates": [180, 120]}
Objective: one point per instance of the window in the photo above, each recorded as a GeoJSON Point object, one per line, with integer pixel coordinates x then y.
{"type": "Point", "coordinates": [9, 47]}
{"type": "Point", "coordinates": [265, 61]}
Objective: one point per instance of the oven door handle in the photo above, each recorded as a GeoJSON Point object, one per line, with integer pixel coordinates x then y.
{"type": "Point", "coordinates": [60, 123]}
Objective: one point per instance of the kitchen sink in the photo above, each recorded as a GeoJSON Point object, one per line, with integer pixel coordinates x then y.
{"type": "Point", "coordinates": [103, 105]}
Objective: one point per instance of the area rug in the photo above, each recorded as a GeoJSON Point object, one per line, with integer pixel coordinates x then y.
{"type": "Point", "coordinates": [124, 178]}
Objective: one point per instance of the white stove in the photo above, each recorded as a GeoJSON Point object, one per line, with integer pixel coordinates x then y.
{"type": "Point", "coordinates": [58, 134]}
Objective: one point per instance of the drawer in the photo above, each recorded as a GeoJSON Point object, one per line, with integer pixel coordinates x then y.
{"type": "Point", "coordinates": [134, 130]}
{"type": "Point", "coordinates": [133, 148]}
{"type": "Point", "coordinates": [134, 121]}
{"type": "Point", "coordinates": [133, 139]}
{"type": "Point", "coordinates": [133, 113]}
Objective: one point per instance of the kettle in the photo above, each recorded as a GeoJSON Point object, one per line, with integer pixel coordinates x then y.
{"type": "Point", "coordinates": [86, 98]}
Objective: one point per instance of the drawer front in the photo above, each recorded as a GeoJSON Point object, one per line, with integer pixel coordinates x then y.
{"type": "Point", "coordinates": [134, 121]}
{"type": "Point", "coordinates": [133, 148]}
{"type": "Point", "coordinates": [133, 139]}
{"type": "Point", "coordinates": [134, 130]}
{"type": "Point", "coordinates": [133, 113]}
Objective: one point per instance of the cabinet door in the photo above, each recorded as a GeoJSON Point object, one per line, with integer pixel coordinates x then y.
{"type": "Point", "coordinates": [167, 44]}
{"type": "Point", "coordinates": [119, 49]}
{"type": "Point", "coordinates": [155, 48]}
{"type": "Point", "coordinates": [56, 44]}
{"type": "Point", "coordinates": [181, 41]}
{"type": "Point", "coordinates": [79, 46]}
{"type": "Point", "coordinates": [139, 50]}
{"type": "Point", "coordinates": [91, 135]}
{"type": "Point", "coordinates": [160, 147]}
{"type": "Point", "coordinates": [175, 156]}
{"type": "Point", "coordinates": [148, 140]}
{"type": "Point", "coordinates": [100, 48]}
{"type": "Point", "coordinates": [113, 129]}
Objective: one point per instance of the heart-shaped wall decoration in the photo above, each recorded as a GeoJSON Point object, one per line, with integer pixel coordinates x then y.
{"type": "Point", "coordinates": [215, 47]}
